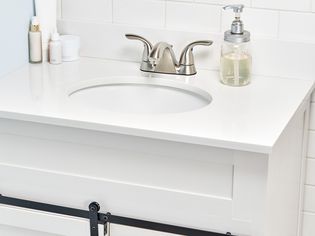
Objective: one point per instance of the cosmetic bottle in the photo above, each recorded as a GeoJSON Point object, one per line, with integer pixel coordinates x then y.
{"type": "Point", "coordinates": [55, 49]}
{"type": "Point", "coordinates": [236, 60]}
{"type": "Point", "coordinates": [35, 42]}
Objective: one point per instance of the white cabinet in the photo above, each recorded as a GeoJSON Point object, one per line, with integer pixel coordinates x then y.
{"type": "Point", "coordinates": [176, 183]}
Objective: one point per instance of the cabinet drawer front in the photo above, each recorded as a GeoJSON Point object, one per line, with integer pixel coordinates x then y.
{"type": "Point", "coordinates": [160, 205]}
{"type": "Point", "coordinates": [194, 174]}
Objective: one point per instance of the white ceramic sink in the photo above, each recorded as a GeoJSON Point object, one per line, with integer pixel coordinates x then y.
{"type": "Point", "coordinates": [139, 95]}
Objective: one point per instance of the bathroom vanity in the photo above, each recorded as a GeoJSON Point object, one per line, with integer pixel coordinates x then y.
{"type": "Point", "coordinates": [231, 162]}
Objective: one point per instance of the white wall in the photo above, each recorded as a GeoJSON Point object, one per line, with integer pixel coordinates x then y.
{"type": "Point", "coordinates": [14, 23]}
{"type": "Point", "coordinates": [283, 33]}
{"type": "Point", "coordinates": [264, 18]}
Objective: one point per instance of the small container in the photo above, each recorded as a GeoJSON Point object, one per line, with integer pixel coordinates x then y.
{"type": "Point", "coordinates": [70, 47]}
{"type": "Point", "coordinates": [236, 59]}
{"type": "Point", "coordinates": [35, 42]}
{"type": "Point", "coordinates": [55, 49]}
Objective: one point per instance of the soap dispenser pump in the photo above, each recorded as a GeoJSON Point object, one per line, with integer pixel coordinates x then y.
{"type": "Point", "coordinates": [236, 60]}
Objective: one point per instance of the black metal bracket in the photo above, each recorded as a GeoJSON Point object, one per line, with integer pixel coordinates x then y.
{"type": "Point", "coordinates": [96, 218]}
{"type": "Point", "coordinates": [94, 207]}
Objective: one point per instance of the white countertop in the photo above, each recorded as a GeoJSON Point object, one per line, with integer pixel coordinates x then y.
{"type": "Point", "coordinates": [249, 118]}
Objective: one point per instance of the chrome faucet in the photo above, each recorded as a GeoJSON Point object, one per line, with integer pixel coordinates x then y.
{"type": "Point", "coordinates": [161, 58]}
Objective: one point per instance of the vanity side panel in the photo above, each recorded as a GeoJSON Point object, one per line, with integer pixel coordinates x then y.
{"type": "Point", "coordinates": [286, 176]}
{"type": "Point", "coordinates": [249, 195]}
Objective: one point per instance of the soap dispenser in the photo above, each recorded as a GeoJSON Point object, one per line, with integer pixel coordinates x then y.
{"type": "Point", "coordinates": [236, 60]}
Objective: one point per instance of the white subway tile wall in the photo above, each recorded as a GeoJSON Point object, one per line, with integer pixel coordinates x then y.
{"type": "Point", "coordinates": [193, 17]}
{"type": "Point", "coordinates": [283, 44]}
{"type": "Point", "coordinates": [92, 10]}
{"type": "Point", "coordinates": [308, 224]}
{"type": "Point", "coordinates": [149, 13]}
{"type": "Point", "coordinates": [297, 26]}
{"type": "Point", "coordinates": [309, 196]}
{"type": "Point", "coordinates": [280, 19]}
{"type": "Point", "coordinates": [310, 172]}
{"type": "Point", "coordinates": [294, 5]}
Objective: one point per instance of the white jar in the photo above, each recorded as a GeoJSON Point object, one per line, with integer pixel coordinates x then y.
{"type": "Point", "coordinates": [70, 47]}
{"type": "Point", "coordinates": [55, 50]}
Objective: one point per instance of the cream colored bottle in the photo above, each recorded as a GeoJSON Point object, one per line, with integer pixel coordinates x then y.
{"type": "Point", "coordinates": [236, 60]}
{"type": "Point", "coordinates": [35, 42]}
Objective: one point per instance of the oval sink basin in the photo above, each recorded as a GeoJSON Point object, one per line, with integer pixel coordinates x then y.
{"type": "Point", "coordinates": [139, 95]}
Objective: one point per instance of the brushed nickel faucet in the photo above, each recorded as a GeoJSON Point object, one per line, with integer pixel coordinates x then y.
{"type": "Point", "coordinates": [161, 58]}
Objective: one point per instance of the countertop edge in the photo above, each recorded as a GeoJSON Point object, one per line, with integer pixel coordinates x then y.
{"type": "Point", "coordinates": [247, 147]}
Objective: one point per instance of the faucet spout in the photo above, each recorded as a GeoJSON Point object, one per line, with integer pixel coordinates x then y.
{"type": "Point", "coordinates": [159, 49]}
{"type": "Point", "coordinates": [163, 59]}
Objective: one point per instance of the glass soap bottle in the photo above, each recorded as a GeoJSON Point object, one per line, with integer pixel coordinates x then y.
{"type": "Point", "coordinates": [236, 60]}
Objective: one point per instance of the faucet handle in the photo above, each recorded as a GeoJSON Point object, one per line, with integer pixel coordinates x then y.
{"type": "Point", "coordinates": [147, 45]}
{"type": "Point", "coordinates": [187, 57]}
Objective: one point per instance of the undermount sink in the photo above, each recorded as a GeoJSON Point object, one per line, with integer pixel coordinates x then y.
{"type": "Point", "coordinates": [139, 95]}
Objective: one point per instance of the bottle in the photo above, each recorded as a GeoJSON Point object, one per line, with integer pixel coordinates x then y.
{"type": "Point", "coordinates": [55, 49]}
{"type": "Point", "coordinates": [236, 60]}
{"type": "Point", "coordinates": [35, 42]}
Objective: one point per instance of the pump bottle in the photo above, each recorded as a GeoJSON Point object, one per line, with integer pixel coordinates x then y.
{"type": "Point", "coordinates": [236, 59]}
